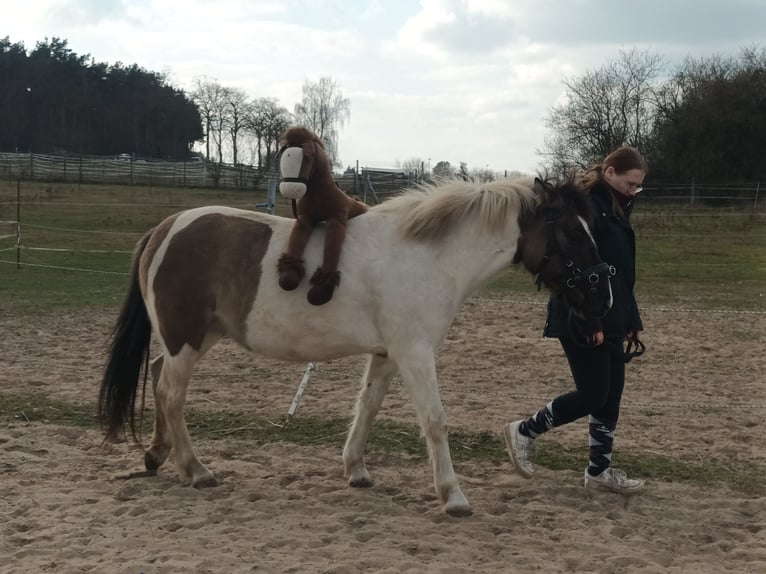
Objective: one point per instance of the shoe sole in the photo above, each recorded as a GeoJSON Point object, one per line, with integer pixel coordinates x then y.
{"type": "Point", "coordinates": [508, 436]}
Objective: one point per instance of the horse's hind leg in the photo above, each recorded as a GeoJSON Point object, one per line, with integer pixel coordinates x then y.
{"type": "Point", "coordinates": [159, 448]}
{"type": "Point", "coordinates": [418, 367]}
{"type": "Point", "coordinates": [170, 396]}
{"type": "Point", "coordinates": [380, 370]}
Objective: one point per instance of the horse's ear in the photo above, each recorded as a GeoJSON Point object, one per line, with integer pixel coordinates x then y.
{"type": "Point", "coordinates": [542, 186]}
{"type": "Point", "coordinates": [309, 149]}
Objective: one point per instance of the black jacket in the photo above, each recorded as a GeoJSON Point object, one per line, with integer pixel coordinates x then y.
{"type": "Point", "coordinates": [616, 244]}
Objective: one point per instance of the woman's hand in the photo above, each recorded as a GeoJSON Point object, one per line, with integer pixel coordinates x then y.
{"type": "Point", "coordinates": [634, 335]}
{"type": "Point", "coordinates": [595, 339]}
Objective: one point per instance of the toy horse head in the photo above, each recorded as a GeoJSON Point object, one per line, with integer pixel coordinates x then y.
{"type": "Point", "coordinates": [301, 156]}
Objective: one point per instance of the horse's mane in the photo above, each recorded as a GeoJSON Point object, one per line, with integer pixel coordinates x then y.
{"type": "Point", "coordinates": [431, 210]}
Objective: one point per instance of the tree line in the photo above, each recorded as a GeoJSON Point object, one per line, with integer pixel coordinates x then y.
{"type": "Point", "coordinates": [53, 100]}
{"type": "Point", "coordinates": [235, 123]}
{"type": "Point", "coordinates": [704, 120]}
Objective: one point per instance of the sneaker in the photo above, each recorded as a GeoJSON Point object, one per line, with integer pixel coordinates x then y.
{"type": "Point", "coordinates": [614, 480]}
{"type": "Point", "coordinates": [519, 449]}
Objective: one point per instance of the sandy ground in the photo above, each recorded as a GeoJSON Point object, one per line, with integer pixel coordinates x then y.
{"type": "Point", "coordinates": [699, 392]}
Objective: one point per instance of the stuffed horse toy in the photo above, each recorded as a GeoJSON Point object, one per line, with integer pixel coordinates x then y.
{"type": "Point", "coordinates": [306, 179]}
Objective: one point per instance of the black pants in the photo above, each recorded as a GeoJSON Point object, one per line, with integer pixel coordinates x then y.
{"type": "Point", "coordinates": [599, 376]}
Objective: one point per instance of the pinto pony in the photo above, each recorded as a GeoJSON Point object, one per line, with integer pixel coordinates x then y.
{"type": "Point", "coordinates": [306, 179]}
{"type": "Point", "coordinates": [210, 272]}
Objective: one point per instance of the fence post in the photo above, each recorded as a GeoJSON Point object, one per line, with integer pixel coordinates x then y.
{"type": "Point", "coordinates": [271, 196]}
{"type": "Point", "coordinates": [755, 204]}
{"type": "Point", "coordinates": [18, 224]}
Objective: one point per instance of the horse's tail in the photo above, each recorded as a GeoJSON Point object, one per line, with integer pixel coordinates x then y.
{"type": "Point", "coordinates": [129, 348]}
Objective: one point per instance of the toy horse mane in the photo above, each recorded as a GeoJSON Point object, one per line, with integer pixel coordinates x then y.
{"type": "Point", "coordinates": [298, 135]}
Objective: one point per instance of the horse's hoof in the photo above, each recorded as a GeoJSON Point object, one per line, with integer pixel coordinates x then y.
{"type": "Point", "coordinates": [320, 294]}
{"type": "Point", "coordinates": [289, 279]}
{"type": "Point", "coordinates": [458, 511]}
{"type": "Point", "coordinates": [360, 483]}
{"type": "Point", "coordinates": [205, 482]}
{"type": "Point", "coordinates": [150, 462]}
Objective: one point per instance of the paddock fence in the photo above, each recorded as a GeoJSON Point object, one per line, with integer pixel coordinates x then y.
{"type": "Point", "coordinates": [132, 171]}
{"type": "Point", "coordinates": [371, 184]}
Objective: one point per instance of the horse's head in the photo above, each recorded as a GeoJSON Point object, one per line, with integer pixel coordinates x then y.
{"type": "Point", "coordinates": [556, 245]}
{"type": "Point", "coordinates": [301, 158]}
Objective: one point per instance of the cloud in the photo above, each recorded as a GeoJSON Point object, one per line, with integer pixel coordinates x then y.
{"type": "Point", "coordinates": [446, 29]}
{"type": "Point", "coordinates": [86, 12]}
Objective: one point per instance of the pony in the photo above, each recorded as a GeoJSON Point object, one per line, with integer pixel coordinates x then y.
{"type": "Point", "coordinates": [408, 266]}
{"type": "Point", "coordinates": [306, 178]}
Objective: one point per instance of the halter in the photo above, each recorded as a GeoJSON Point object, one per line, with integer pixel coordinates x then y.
{"type": "Point", "coordinates": [591, 276]}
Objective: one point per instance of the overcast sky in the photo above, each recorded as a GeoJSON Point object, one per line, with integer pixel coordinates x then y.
{"type": "Point", "coordinates": [455, 80]}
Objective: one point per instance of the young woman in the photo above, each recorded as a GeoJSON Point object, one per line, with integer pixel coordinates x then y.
{"type": "Point", "coordinates": [595, 350]}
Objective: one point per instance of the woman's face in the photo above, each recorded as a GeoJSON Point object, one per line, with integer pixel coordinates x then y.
{"type": "Point", "coordinates": [627, 183]}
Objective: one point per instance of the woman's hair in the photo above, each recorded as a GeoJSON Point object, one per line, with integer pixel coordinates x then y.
{"type": "Point", "coordinates": [621, 160]}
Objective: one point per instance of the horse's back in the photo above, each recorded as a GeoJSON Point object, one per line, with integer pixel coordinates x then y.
{"type": "Point", "coordinates": [214, 269]}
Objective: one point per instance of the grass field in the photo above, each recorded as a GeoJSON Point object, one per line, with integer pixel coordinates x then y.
{"type": "Point", "coordinates": [707, 258]}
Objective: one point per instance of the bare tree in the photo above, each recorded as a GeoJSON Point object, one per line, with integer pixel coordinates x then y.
{"type": "Point", "coordinates": [605, 108]}
{"type": "Point", "coordinates": [208, 95]}
{"type": "Point", "coordinates": [267, 121]}
{"type": "Point", "coordinates": [413, 166]}
{"type": "Point", "coordinates": [324, 110]}
{"type": "Point", "coordinates": [237, 112]}
{"type": "Point", "coordinates": [221, 119]}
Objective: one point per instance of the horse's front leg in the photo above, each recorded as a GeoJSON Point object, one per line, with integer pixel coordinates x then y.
{"type": "Point", "coordinates": [417, 365]}
{"type": "Point", "coordinates": [380, 370]}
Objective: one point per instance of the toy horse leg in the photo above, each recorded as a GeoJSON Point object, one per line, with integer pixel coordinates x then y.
{"type": "Point", "coordinates": [327, 277]}
{"type": "Point", "coordinates": [290, 265]}
{"type": "Point", "coordinates": [418, 367]}
{"type": "Point", "coordinates": [380, 370]}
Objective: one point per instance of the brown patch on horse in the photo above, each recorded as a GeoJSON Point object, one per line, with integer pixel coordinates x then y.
{"type": "Point", "coordinates": [209, 278]}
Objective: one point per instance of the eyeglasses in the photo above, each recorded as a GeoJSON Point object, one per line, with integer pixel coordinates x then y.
{"type": "Point", "coordinates": [636, 187]}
